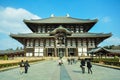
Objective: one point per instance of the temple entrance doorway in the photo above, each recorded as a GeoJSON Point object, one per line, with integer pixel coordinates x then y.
{"type": "Point", "coordinates": [60, 52]}
{"type": "Point", "coordinates": [50, 51]}
{"type": "Point", "coordinates": [71, 52]}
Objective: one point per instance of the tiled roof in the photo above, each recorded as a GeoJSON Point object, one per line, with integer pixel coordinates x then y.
{"type": "Point", "coordinates": [90, 35]}
{"type": "Point", "coordinates": [60, 20]}
{"type": "Point", "coordinates": [59, 29]}
{"type": "Point", "coordinates": [30, 35]}
{"type": "Point", "coordinates": [41, 35]}
{"type": "Point", "coordinates": [97, 50]}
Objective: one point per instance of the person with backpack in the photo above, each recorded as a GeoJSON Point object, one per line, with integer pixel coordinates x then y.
{"type": "Point", "coordinates": [89, 66]}
{"type": "Point", "coordinates": [26, 65]}
{"type": "Point", "coordinates": [82, 65]}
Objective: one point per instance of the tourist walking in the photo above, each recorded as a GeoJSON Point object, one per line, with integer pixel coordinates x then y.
{"type": "Point", "coordinates": [26, 65]}
{"type": "Point", "coordinates": [21, 64]}
{"type": "Point", "coordinates": [82, 65]}
{"type": "Point", "coordinates": [68, 61]}
{"type": "Point", "coordinates": [89, 66]}
{"type": "Point", "coordinates": [60, 62]}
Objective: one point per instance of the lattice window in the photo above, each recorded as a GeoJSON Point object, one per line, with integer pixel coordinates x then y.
{"type": "Point", "coordinates": [38, 51]}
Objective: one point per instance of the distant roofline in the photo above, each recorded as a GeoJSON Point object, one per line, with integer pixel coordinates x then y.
{"type": "Point", "coordinates": [10, 51]}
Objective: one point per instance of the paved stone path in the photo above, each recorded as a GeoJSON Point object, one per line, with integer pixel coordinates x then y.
{"type": "Point", "coordinates": [49, 70]}
{"type": "Point", "coordinates": [99, 73]}
{"type": "Point", "coordinates": [64, 75]}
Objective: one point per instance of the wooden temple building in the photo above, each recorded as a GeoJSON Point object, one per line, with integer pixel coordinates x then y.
{"type": "Point", "coordinates": [59, 36]}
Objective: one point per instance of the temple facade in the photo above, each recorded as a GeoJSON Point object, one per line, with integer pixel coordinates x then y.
{"type": "Point", "coordinates": [59, 36]}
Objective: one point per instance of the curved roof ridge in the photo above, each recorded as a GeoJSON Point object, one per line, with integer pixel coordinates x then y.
{"type": "Point", "coordinates": [83, 19]}
{"type": "Point", "coordinates": [60, 28]}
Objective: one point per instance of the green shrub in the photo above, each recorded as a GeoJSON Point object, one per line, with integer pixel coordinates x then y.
{"type": "Point", "coordinates": [5, 57]}
{"type": "Point", "coordinates": [116, 57]}
{"type": "Point", "coordinates": [1, 58]}
{"type": "Point", "coordinates": [108, 61]}
{"type": "Point", "coordinates": [112, 63]}
{"type": "Point", "coordinates": [15, 64]}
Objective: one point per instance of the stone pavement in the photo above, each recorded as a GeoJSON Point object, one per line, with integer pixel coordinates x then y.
{"type": "Point", "coordinates": [50, 70]}
{"type": "Point", "coordinates": [99, 73]}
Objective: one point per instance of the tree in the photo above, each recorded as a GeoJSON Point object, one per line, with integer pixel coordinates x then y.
{"type": "Point", "coordinates": [21, 48]}
{"type": "Point", "coordinates": [10, 49]}
{"type": "Point", "coordinates": [107, 47]}
{"type": "Point", "coordinates": [17, 48]}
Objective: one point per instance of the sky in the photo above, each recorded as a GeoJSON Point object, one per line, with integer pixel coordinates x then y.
{"type": "Point", "coordinates": [12, 13]}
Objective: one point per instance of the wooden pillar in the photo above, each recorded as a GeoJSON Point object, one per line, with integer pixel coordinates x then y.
{"type": "Point", "coordinates": [55, 52]}
{"type": "Point", "coordinates": [76, 51]}
{"type": "Point", "coordinates": [46, 52]}
{"type": "Point", "coordinates": [33, 53]}
{"type": "Point", "coordinates": [66, 52]}
{"type": "Point", "coordinates": [105, 55]}
{"type": "Point", "coordinates": [55, 49]}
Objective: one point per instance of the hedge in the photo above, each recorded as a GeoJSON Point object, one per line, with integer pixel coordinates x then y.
{"type": "Point", "coordinates": [107, 61]}
{"type": "Point", "coordinates": [112, 63]}
{"type": "Point", "coordinates": [15, 64]}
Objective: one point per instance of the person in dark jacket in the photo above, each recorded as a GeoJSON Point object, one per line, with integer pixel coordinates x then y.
{"type": "Point", "coordinates": [89, 66]}
{"type": "Point", "coordinates": [26, 65]}
{"type": "Point", "coordinates": [68, 61]}
{"type": "Point", "coordinates": [83, 65]}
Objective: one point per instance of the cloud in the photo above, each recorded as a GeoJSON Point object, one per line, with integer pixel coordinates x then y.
{"type": "Point", "coordinates": [106, 19]}
{"type": "Point", "coordinates": [11, 20]}
{"type": "Point", "coordinates": [111, 41]}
